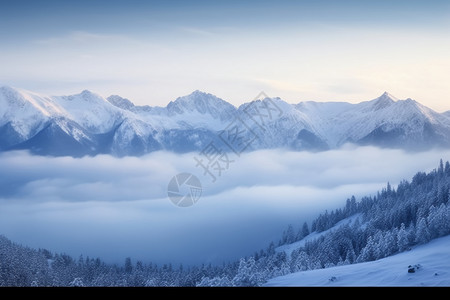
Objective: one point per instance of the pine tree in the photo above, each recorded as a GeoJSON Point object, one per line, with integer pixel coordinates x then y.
{"type": "Point", "coordinates": [402, 238]}
{"type": "Point", "coordinates": [303, 232]}
{"type": "Point", "coordinates": [441, 221]}
{"type": "Point", "coordinates": [441, 168]}
{"type": "Point", "coordinates": [378, 248]}
{"type": "Point", "coordinates": [290, 235]}
{"type": "Point", "coordinates": [422, 233]}
{"type": "Point", "coordinates": [433, 222]}
{"type": "Point", "coordinates": [246, 275]}
{"type": "Point", "coordinates": [350, 256]}
{"type": "Point", "coordinates": [128, 265]}
{"type": "Point", "coordinates": [367, 253]}
{"type": "Point", "coordinates": [390, 243]}
{"type": "Point", "coordinates": [389, 188]}
{"type": "Point", "coordinates": [447, 168]}
{"type": "Point", "coordinates": [305, 229]}
{"type": "Point", "coordinates": [411, 233]}
{"type": "Point", "coordinates": [271, 249]}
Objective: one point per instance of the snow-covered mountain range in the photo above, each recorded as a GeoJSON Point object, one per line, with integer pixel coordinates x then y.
{"type": "Point", "coordinates": [88, 124]}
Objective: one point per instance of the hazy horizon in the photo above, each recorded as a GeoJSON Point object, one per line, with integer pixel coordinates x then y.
{"type": "Point", "coordinates": [239, 103]}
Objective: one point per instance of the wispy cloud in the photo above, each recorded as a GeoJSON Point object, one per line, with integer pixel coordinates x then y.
{"type": "Point", "coordinates": [94, 204]}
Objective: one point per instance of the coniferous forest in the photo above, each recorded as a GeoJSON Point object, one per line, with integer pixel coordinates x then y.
{"type": "Point", "coordinates": [369, 228]}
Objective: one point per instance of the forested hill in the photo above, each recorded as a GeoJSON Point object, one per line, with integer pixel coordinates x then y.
{"type": "Point", "coordinates": [372, 228]}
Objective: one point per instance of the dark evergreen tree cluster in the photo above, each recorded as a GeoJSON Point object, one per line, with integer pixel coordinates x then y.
{"type": "Point", "coordinates": [375, 227]}
{"type": "Point", "coordinates": [23, 266]}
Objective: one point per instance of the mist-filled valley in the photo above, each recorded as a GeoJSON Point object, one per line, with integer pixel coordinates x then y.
{"type": "Point", "coordinates": [114, 208]}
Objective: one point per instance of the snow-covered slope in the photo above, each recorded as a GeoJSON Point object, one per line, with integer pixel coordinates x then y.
{"type": "Point", "coordinates": [23, 113]}
{"type": "Point", "coordinates": [204, 104]}
{"type": "Point", "coordinates": [115, 125]}
{"type": "Point", "coordinates": [432, 259]}
{"type": "Point", "coordinates": [288, 248]}
{"type": "Point", "coordinates": [384, 121]}
{"type": "Point", "coordinates": [91, 111]}
{"type": "Point", "coordinates": [91, 124]}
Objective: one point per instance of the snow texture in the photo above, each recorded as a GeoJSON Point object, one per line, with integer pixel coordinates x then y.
{"type": "Point", "coordinates": [431, 262]}
{"type": "Point", "coordinates": [315, 235]}
{"type": "Point", "coordinates": [116, 126]}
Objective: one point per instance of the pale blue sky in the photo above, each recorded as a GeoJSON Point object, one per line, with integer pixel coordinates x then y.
{"type": "Point", "coordinates": [154, 51]}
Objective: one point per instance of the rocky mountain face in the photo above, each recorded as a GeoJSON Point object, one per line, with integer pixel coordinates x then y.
{"type": "Point", "coordinates": [88, 124]}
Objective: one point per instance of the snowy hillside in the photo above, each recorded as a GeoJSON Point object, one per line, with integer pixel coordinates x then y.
{"type": "Point", "coordinates": [91, 124]}
{"type": "Point", "coordinates": [289, 248]}
{"type": "Point", "coordinates": [432, 259]}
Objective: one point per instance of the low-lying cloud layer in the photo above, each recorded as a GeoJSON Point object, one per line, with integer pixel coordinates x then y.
{"type": "Point", "coordinates": [118, 207]}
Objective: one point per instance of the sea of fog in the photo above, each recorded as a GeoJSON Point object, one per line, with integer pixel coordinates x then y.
{"type": "Point", "coordinates": [115, 208]}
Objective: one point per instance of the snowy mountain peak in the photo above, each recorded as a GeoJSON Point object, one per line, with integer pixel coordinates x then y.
{"type": "Point", "coordinates": [120, 102]}
{"type": "Point", "coordinates": [261, 96]}
{"type": "Point", "coordinates": [19, 100]}
{"type": "Point", "coordinates": [198, 96]}
{"type": "Point", "coordinates": [89, 96]}
{"type": "Point", "coordinates": [276, 105]}
{"type": "Point", "coordinates": [203, 103]}
{"type": "Point", "coordinates": [199, 93]}
{"type": "Point", "coordinates": [6, 89]}
{"type": "Point", "coordinates": [8, 97]}
{"type": "Point", "coordinates": [115, 125]}
{"type": "Point", "coordinates": [389, 96]}
{"type": "Point", "coordinates": [383, 101]}
{"type": "Point", "coordinates": [11, 93]}
{"type": "Point", "coordinates": [87, 93]}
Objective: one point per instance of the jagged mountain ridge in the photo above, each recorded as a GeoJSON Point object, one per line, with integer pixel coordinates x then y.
{"type": "Point", "coordinates": [88, 124]}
